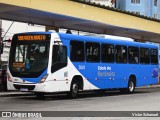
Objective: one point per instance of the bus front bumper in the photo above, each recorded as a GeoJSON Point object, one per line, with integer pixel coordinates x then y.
{"type": "Point", "coordinates": [60, 86]}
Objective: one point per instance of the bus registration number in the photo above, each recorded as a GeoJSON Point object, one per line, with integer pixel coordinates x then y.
{"type": "Point", "coordinates": [24, 89]}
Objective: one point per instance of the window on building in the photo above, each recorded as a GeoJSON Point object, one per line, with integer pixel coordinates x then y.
{"type": "Point", "coordinates": [121, 54]}
{"type": "Point", "coordinates": [77, 51]}
{"type": "Point", "coordinates": [155, 16]}
{"type": "Point", "coordinates": [144, 56]}
{"type": "Point", "coordinates": [135, 1]}
{"type": "Point", "coordinates": [133, 55]}
{"type": "Point", "coordinates": [154, 56]}
{"type": "Point", "coordinates": [107, 53]}
{"type": "Point", "coordinates": [155, 2]}
{"type": "Point", "coordinates": [138, 13]}
{"type": "Point", "coordinates": [92, 52]}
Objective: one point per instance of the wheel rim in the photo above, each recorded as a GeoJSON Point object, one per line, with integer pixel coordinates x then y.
{"type": "Point", "coordinates": [131, 86]}
{"type": "Point", "coordinates": [75, 89]}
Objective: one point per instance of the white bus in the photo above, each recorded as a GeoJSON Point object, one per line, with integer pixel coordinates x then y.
{"type": "Point", "coordinates": [46, 62]}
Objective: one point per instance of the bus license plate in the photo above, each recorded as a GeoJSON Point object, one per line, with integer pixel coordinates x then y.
{"type": "Point", "coordinates": [24, 89]}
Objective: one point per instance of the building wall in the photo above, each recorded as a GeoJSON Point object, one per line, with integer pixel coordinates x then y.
{"type": "Point", "coordinates": [145, 7]}
{"type": "Point", "coordinates": [134, 7]}
{"type": "Point", "coordinates": [158, 9]}
{"type": "Point", "coordinates": [121, 4]}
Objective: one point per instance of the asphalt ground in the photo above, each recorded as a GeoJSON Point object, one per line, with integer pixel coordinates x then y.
{"type": "Point", "coordinates": [144, 99]}
{"type": "Point", "coordinates": [18, 93]}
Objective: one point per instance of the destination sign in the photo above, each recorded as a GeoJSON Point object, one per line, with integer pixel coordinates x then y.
{"type": "Point", "coordinates": [32, 37]}
{"type": "Point", "coordinates": [18, 65]}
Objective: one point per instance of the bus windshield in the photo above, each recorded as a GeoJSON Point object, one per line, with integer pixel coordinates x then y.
{"type": "Point", "coordinates": [28, 59]}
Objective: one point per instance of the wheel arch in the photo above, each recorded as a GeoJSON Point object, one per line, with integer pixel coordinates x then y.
{"type": "Point", "coordinates": [79, 79]}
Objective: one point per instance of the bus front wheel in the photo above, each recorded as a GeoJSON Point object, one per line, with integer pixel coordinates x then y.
{"type": "Point", "coordinates": [39, 95]}
{"type": "Point", "coordinates": [74, 89]}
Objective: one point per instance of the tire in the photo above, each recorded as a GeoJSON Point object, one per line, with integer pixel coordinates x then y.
{"type": "Point", "coordinates": [131, 87]}
{"type": "Point", "coordinates": [40, 95]}
{"type": "Point", "coordinates": [74, 89]}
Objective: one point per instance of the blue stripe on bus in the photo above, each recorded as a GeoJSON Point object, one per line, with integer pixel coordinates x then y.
{"type": "Point", "coordinates": [119, 74]}
{"type": "Point", "coordinates": [35, 80]}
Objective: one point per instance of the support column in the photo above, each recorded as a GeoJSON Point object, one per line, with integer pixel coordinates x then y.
{"type": "Point", "coordinates": [0, 37]}
{"type": "Point", "coordinates": [1, 80]}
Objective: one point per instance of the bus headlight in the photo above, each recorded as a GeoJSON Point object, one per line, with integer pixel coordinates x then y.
{"type": "Point", "coordinates": [43, 79]}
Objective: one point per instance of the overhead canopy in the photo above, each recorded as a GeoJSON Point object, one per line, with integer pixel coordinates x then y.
{"type": "Point", "coordinates": [90, 21]}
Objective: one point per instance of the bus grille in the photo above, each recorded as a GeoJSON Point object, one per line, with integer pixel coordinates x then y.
{"type": "Point", "coordinates": [29, 87]}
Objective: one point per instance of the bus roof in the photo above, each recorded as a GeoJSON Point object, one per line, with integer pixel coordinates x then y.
{"type": "Point", "coordinates": [106, 40]}
{"type": "Point", "coordinates": [96, 39]}
{"type": "Point", "coordinates": [38, 32]}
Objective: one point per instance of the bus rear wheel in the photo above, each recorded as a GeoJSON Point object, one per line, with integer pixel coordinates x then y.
{"type": "Point", "coordinates": [74, 89]}
{"type": "Point", "coordinates": [131, 87]}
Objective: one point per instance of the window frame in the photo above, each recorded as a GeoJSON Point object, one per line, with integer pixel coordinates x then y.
{"type": "Point", "coordinates": [92, 57]}
{"type": "Point", "coordinates": [153, 63]}
{"type": "Point", "coordinates": [76, 57]}
{"type": "Point", "coordinates": [149, 58]}
{"type": "Point", "coordinates": [135, 1]}
{"type": "Point", "coordinates": [155, 3]}
{"type": "Point", "coordinates": [58, 65]}
{"type": "Point", "coordinates": [107, 54]}
{"type": "Point", "coordinates": [121, 60]}
{"type": "Point", "coordinates": [135, 55]}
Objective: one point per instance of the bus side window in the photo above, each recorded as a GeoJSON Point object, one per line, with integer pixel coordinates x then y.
{"type": "Point", "coordinates": [144, 56]}
{"type": "Point", "coordinates": [154, 56]}
{"type": "Point", "coordinates": [121, 54]}
{"type": "Point", "coordinates": [59, 57]}
{"type": "Point", "coordinates": [133, 55]}
{"type": "Point", "coordinates": [107, 53]}
{"type": "Point", "coordinates": [77, 51]}
{"type": "Point", "coordinates": [92, 52]}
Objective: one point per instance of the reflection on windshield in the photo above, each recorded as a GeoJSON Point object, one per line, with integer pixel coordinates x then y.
{"type": "Point", "coordinates": [29, 58]}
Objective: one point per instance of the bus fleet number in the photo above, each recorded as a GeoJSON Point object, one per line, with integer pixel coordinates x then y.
{"type": "Point", "coordinates": [81, 67]}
